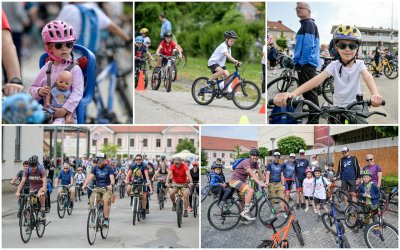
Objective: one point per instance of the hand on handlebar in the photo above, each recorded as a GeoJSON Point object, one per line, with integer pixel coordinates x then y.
{"type": "Point", "coordinates": [376, 100]}
{"type": "Point", "coordinates": [12, 88]}
{"type": "Point", "coordinates": [281, 99]}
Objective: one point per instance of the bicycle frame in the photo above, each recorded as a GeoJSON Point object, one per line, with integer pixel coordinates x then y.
{"type": "Point", "coordinates": [112, 70]}
{"type": "Point", "coordinates": [277, 241]}
{"type": "Point", "coordinates": [233, 76]}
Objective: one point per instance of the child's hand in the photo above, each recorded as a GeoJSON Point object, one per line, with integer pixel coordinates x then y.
{"type": "Point", "coordinates": [281, 99]}
{"type": "Point", "coordinates": [60, 112]}
{"type": "Point", "coordinates": [44, 91]}
{"type": "Point", "coordinates": [376, 100]}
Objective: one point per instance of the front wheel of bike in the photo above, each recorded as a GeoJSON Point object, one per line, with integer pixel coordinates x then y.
{"type": "Point", "coordinates": [274, 207]}
{"type": "Point", "coordinates": [168, 79]}
{"type": "Point", "coordinates": [161, 199]}
{"type": "Point", "coordinates": [329, 222]}
{"type": "Point", "coordinates": [341, 200]}
{"type": "Point", "coordinates": [266, 244]}
{"type": "Point", "coordinates": [246, 95]}
{"type": "Point", "coordinates": [202, 92]}
{"type": "Point", "coordinates": [391, 71]}
{"type": "Point", "coordinates": [156, 79]}
{"type": "Point", "coordinates": [40, 225]}
{"type": "Point", "coordinates": [134, 208]}
{"type": "Point", "coordinates": [104, 230]}
{"type": "Point", "coordinates": [280, 85]}
{"type": "Point", "coordinates": [69, 207]}
{"type": "Point", "coordinates": [179, 212]}
{"type": "Point", "coordinates": [344, 242]}
{"type": "Point", "coordinates": [61, 205]}
{"type": "Point", "coordinates": [205, 192]}
{"type": "Point", "coordinates": [297, 229]}
{"type": "Point", "coordinates": [91, 226]}
{"type": "Point", "coordinates": [351, 215]}
{"type": "Point", "coordinates": [194, 203]}
{"type": "Point", "coordinates": [26, 221]}
{"type": "Point", "coordinates": [223, 218]}
{"type": "Point", "coordinates": [383, 235]}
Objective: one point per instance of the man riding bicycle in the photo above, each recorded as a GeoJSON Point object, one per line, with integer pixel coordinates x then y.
{"type": "Point", "coordinates": [67, 179]}
{"type": "Point", "coordinates": [25, 188]}
{"type": "Point", "coordinates": [239, 177]}
{"type": "Point", "coordinates": [104, 178]}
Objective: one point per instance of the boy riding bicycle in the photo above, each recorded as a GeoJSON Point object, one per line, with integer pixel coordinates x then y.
{"type": "Point", "coordinates": [166, 48]}
{"type": "Point", "coordinates": [140, 51]}
{"type": "Point", "coordinates": [216, 63]}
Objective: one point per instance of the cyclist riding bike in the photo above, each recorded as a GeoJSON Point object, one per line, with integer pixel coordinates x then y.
{"type": "Point", "coordinates": [180, 174]}
{"type": "Point", "coordinates": [194, 173]}
{"type": "Point", "coordinates": [217, 61]}
{"type": "Point", "coordinates": [161, 176]}
{"type": "Point", "coordinates": [104, 179]}
{"type": "Point", "coordinates": [20, 174]}
{"type": "Point", "coordinates": [166, 48]}
{"type": "Point", "coordinates": [140, 51]}
{"type": "Point", "coordinates": [301, 166]}
{"type": "Point", "coordinates": [239, 177]}
{"type": "Point", "coordinates": [37, 182]}
{"type": "Point", "coordinates": [140, 165]}
{"type": "Point", "coordinates": [67, 179]}
{"type": "Point", "coordinates": [80, 178]}
{"type": "Point", "coordinates": [121, 176]}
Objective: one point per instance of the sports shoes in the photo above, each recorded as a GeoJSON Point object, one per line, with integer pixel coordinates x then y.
{"type": "Point", "coordinates": [106, 223]}
{"type": "Point", "coordinates": [244, 221]}
{"type": "Point", "coordinates": [42, 214]}
{"type": "Point", "coordinates": [185, 213]}
{"type": "Point", "coordinates": [298, 206]}
{"type": "Point", "coordinates": [147, 211]}
{"type": "Point", "coordinates": [247, 216]}
{"type": "Point", "coordinates": [227, 95]}
{"type": "Point", "coordinates": [190, 209]}
{"type": "Point", "coordinates": [173, 207]}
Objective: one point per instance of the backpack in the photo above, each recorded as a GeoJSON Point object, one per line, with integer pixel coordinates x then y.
{"type": "Point", "coordinates": [323, 181]}
{"type": "Point", "coordinates": [236, 163]}
{"type": "Point", "coordinates": [90, 32]}
{"type": "Point", "coordinates": [39, 169]}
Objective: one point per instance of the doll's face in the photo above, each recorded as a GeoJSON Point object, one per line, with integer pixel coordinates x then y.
{"type": "Point", "coordinates": [64, 80]}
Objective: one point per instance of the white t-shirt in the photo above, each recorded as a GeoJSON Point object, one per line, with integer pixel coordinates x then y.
{"type": "Point", "coordinates": [147, 41]}
{"type": "Point", "coordinates": [308, 187]}
{"type": "Point", "coordinates": [218, 57]}
{"type": "Point", "coordinates": [80, 178]}
{"type": "Point", "coordinates": [348, 85]}
{"type": "Point", "coordinates": [320, 191]}
{"type": "Point", "coordinates": [264, 51]}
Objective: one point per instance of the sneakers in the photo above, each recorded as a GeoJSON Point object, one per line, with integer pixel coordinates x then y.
{"type": "Point", "coordinates": [190, 209]}
{"type": "Point", "coordinates": [298, 206]}
{"type": "Point", "coordinates": [303, 205]}
{"type": "Point", "coordinates": [106, 223]}
{"type": "Point", "coordinates": [377, 231]}
{"type": "Point", "coordinates": [173, 207]}
{"type": "Point", "coordinates": [315, 210]}
{"type": "Point", "coordinates": [244, 221]}
{"type": "Point", "coordinates": [147, 211]}
{"type": "Point", "coordinates": [185, 213]}
{"type": "Point", "coordinates": [227, 95]}
{"type": "Point", "coordinates": [47, 210]}
{"type": "Point", "coordinates": [209, 82]}
{"type": "Point", "coordinates": [42, 214]}
{"type": "Point", "coordinates": [247, 216]}
{"type": "Point", "coordinates": [305, 210]}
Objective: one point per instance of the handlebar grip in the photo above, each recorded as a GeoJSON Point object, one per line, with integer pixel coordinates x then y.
{"type": "Point", "coordinates": [369, 103]}
{"type": "Point", "coordinates": [271, 102]}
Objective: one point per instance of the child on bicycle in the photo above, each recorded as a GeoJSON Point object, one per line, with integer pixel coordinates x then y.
{"type": "Point", "coordinates": [308, 189]}
{"type": "Point", "coordinates": [146, 39]}
{"type": "Point", "coordinates": [216, 63]}
{"type": "Point", "coordinates": [346, 72]}
{"type": "Point", "coordinates": [166, 48]}
{"type": "Point", "coordinates": [320, 185]}
{"type": "Point", "coordinates": [140, 51]}
{"type": "Point", "coordinates": [217, 184]}
{"type": "Point", "coordinates": [368, 191]}
{"type": "Point", "coordinates": [59, 38]}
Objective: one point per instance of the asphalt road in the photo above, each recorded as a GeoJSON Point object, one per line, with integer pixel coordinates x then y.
{"type": "Point", "coordinates": [159, 230]}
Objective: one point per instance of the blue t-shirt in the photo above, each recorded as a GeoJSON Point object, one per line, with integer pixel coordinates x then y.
{"type": "Point", "coordinates": [65, 177]}
{"type": "Point", "coordinates": [102, 176]}
{"type": "Point", "coordinates": [288, 169]}
{"type": "Point", "coordinates": [275, 172]}
{"type": "Point", "coordinates": [349, 168]}
{"type": "Point", "coordinates": [301, 166]}
{"type": "Point", "coordinates": [143, 167]}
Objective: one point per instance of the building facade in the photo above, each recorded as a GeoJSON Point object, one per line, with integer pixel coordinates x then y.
{"type": "Point", "coordinates": [276, 28]}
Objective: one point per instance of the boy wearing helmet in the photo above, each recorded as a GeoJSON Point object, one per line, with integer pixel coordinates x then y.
{"type": "Point", "coordinates": [140, 51]}
{"type": "Point", "coordinates": [216, 63]}
{"type": "Point", "coordinates": [166, 48]}
{"type": "Point", "coordinates": [320, 185]}
{"type": "Point", "coordinates": [217, 183]}
{"type": "Point", "coordinates": [368, 191]}
{"type": "Point", "coordinates": [146, 40]}
{"type": "Point", "coordinates": [346, 72]}
{"type": "Point", "coordinates": [59, 38]}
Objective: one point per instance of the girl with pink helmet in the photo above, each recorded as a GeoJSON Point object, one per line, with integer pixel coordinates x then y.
{"type": "Point", "coordinates": [59, 39]}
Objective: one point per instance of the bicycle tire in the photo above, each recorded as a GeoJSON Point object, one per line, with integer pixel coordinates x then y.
{"type": "Point", "coordinates": [266, 244]}
{"type": "Point", "coordinates": [232, 211]}
{"type": "Point", "coordinates": [205, 192]}
{"type": "Point", "coordinates": [266, 212]}
{"type": "Point", "coordinates": [383, 201]}
{"type": "Point", "coordinates": [386, 229]}
{"type": "Point", "coordinates": [126, 102]}
{"type": "Point", "coordinates": [183, 60]}
{"type": "Point", "coordinates": [203, 86]}
{"type": "Point", "coordinates": [155, 81]}
{"type": "Point", "coordinates": [40, 226]}
{"type": "Point", "coordinates": [328, 89]}
{"type": "Point", "coordinates": [297, 229]}
{"type": "Point", "coordinates": [25, 224]}
{"type": "Point", "coordinates": [344, 242]}
{"type": "Point", "coordinates": [146, 79]}
{"type": "Point", "coordinates": [174, 72]}
{"type": "Point", "coordinates": [339, 198]}
{"type": "Point", "coordinates": [352, 216]}
{"type": "Point", "coordinates": [69, 208]}
{"type": "Point", "coordinates": [391, 73]}
{"type": "Point", "coordinates": [247, 91]}
{"type": "Point", "coordinates": [280, 85]}
{"type": "Point", "coordinates": [329, 223]}
{"type": "Point", "coordinates": [194, 200]}
{"type": "Point", "coordinates": [161, 199]}
{"type": "Point", "coordinates": [168, 80]}
{"type": "Point", "coordinates": [121, 192]}
{"type": "Point", "coordinates": [139, 212]}
{"type": "Point", "coordinates": [104, 230]}
{"type": "Point", "coordinates": [179, 212]}
{"type": "Point", "coordinates": [91, 227]}
{"type": "Point", "coordinates": [61, 205]}
{"type": "Point", "coordinates": [79, 193]}
{"type": "Point", "coordinates": [370, 68]}
{"type": "Point", "coordinates": [134, 210]}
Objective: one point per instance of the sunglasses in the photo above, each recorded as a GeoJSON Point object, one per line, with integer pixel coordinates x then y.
{"type": "Point", "coordinates": [66, 168]}
{"type": "Point", "coordinates": [344, 152]}
{"type": "Point", "coordinates": [292, 157]}
{"type": "Point", "coordinates": [69, 45]}
{"type": "Point", "coordinates": [369, 159]}
{"type": "Point", "coordinates": [351, 46]}
{"type": "Point", "coordinates": [277, 157]}
{"type": "Point", "coordinates": [138, 159]}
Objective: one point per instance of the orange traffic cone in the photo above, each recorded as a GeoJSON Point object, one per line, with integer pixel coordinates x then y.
{"type": "Point", "coordinates": [235, 82]}
{"type": "Point", "coordinates": [140, 86]}
{"type": "Point", "coordinates": [262, 109]}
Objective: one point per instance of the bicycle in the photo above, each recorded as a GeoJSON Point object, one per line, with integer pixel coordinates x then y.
{"type": "Point", "coordinates": [340, 199]}
{"type": "Point", "coordinates": [64, 201]}
{"type": "Point", "coordinates": [96, 219]}
{"type": "Point", "coordinates": [390, 196]}
{"type": "Point", "coordinates": [276, 241]}
{"type": "Point", "coordinates": [21, 199]}
{"type": "Point", "coordinates": [29, 219]}
{"type": "Point", "coordinates": [245, 95]}
{"type": "Point", "coordinates": [78, 191]}
{"type": "Point", "coordinates": [331, 114]}
{"type": "Point", "coordinates": [141, 66]}
{"type": "Point", "coordinates": [179, 202]}
{"type": "Point", "coordinates": [195, 199]}
{"type": "Point", "coordinates": [121, 189]}
{"type": "Point", "coordinates": [161, 194]}
{"type": "Point", "coordinates": [389, 68]}
{"type": "Point", "coordinates": [136, 203]}
{"type": "Point", "coordinates": [166, 74]}
{"type": "Point", "coordinates": [206, 191]}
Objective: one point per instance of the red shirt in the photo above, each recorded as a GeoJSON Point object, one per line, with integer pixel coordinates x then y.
{"type": "Point", "coordinates": [179, 174]}
{"type": "Point", "coordinates": [167, 48]}
{"type": "Point", "coordinates": [4, 22]}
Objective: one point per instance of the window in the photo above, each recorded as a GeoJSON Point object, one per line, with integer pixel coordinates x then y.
{"type": "Point", "coordinates": [223, 155]}
{"type": "Point", "coordinates": [158, 143]}
{"type": "Point", "coordinates": [214, 154]}
{"type": "Point", "coordinates": [18, 143]}
{"type": "Point", "coordinates": [180, 140]}
{"type": "Point", "coordinates": [192, 141]}
{"type": "Point", "coordinates": [144, 142]}
{"type": "Point", "coordinates": [169, 143]}
{"type": "Point", "coordinates": [119, 142]}
{"type": "Point", "coordinates": [93, 143]}
{"type": "Point", "coordinates": [105, 141]}
{"type": "Point", "coordinates": [132, 143]}
{"type": "Point", "coordinates": [223, 163]}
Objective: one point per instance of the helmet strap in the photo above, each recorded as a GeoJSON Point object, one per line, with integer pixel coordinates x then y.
{"type": "Point", "coordinates": [345, 64]}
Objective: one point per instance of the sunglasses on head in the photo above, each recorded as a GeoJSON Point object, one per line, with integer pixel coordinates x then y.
{"type": "Point", "coordinates": [351, 46]}
{"type": "Point", "coordinates": [69, 45]}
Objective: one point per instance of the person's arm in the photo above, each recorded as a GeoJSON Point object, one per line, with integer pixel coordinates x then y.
{"type": "Point", "coordinates": [112, 180]}
{"type": "Point", "coordinates": [11, 64]}
{"type": "Point", "coordinates": [189, 176]}
{"type": "Point", "coordinates": [376, 98]}
{"type": "Point", "coordinates": [72, 181]}
{"type": "Point", "coordinates": [87, 181]}
{"type": "Point", "coordinates": [282, 179]}
{"type": "Point", "coordinates": [127, 176]}
{"type": "Point", "coordinates": [21, 184]}
{"type": "Point", "coordinates": [44, 183]}
{"type": "Point", "coordinates": [56, 181]}
{"type": "Point", "coordinates": [167, 180]}
{"type": "Point", "coordinates": [149, 55]}
{"type": "Point", "coordinates": [379, 179]}
{"type": "Point", "coordinates": [267, 174]}
{"type": "Point", "coordinates": [159, 49]}
{"type": "Point", "coordinates": [230, 58]}
{"type": "Point", "coordinates": [254, 176]}
{"type": "Point", "coordinates": [116, 30]}
{"type": "Point", "coordinates": [14, 179]}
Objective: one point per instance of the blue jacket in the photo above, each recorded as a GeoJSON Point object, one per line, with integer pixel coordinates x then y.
{"type": "Point", "coordinates": [216, 179]}
{"type": "Point", "coordinates": [307, 44]}
{"type": "Point", "coordinates": [374, 192]}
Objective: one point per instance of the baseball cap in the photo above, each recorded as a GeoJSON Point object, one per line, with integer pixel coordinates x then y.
{"type": "Point", "coordinates": [345, 149]}
{"type": "Point", "coordinates": [292, 155]}
{"type": "Point", "coordinates": [302, 151]}
{"type": "Point", "coordinates": [177, 160]}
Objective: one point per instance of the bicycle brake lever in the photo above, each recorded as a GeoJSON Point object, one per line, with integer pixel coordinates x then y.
{"type": "Point", "coordinates": [368, 114]}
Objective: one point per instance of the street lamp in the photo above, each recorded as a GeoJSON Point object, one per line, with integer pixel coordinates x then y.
{"type": "Point", "coordinates": [272, 140]}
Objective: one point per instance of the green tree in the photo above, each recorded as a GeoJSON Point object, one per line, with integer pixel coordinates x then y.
{"type": "Point", "coordinates": [387, 131]}
{"type": "Point", "coordinates": [244, 155]}
{"type": "Point", "coordinates": [58, 147]}
{"type": "Point", "coordinates": [185, 144]}
{"type": "Point", "coordinates": [110, 150]}
{"type": "Point", "coordinates": [291, 144]}
{"type": "Point", "coordinates": [263, 154]}
{"type": "Point", "coordinates": [281, 41]}
{"type": "Point", "coordinates": [204, 159]}
{"type": "Point", "coordinates": [236, 153]}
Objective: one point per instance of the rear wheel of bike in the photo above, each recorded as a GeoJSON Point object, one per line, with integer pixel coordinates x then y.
{"type": "Point", "coordinates": [26, 221]}
{"type": "Point", "coordinates": [91, 226]}
{"type": "Point", "coordinates": [179, 212]}
{"type": "Point", "coordinates": [281, 84]}
{"type": "Point", "coordinates": [168, 79]}
{"type": "Point", "coordinates": [279, 208]}
{"type": "Point", "coordinates": [381, 236]}
{"type": "Point", "coordinates": [392, 72]}
{"type": "Point", "coordinates": [40, 225]}
{"type": "Point", "coordinates": [329, 223]}
{"type": "Point", "coordinates": [297, 229]}
{"type": "Point", "coordinates": [351, 215]}
{"type": "Point", "coordinates": [224, 218]}
{"type": "Point", "coordinates": [341, 200]}
{"type": "Point", "coordinates": [328, 89]}
{"type": "Point", "coordinates": [246, 95]}
{"type": "Point", "coordinates": [61, 205]}
{"type": "Point", "coordinates": [135, 212]}
{"type": "Point", "coordinates": [344, 242]}
{"type": "Point", "coordinates": [104, 230]}
{"type": "Point", "coordinates": [266, 244]}
{"type": "Point", "coordinates": [203, 93]}
{"type": "Point", "coordinates": [194, 204]}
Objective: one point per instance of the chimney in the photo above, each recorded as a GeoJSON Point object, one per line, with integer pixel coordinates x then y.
{"type": "Point", "coordinates": [279, 21]}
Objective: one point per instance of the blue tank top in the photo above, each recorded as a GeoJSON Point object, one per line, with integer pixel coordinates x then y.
{"type": "Point", "coordinates": [275, 172]}
{"type": "Point", "coordinates": [288, 170]}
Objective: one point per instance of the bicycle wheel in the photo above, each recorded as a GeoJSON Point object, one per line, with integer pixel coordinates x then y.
{"type": "Point", "coordinates": [328, 89]}
{"type": "Point", "coordinates": [134, 208]}
{"type": "Point", "coordinates": [168, 79]}
{"type": "Point", "coordinates": [202, 92]}
{"type": "Point", "coordinates": [79, 193]}
{"type": "Point", "coordinates": [104, 230]}
{"type": "Point", "coordinates": [146, 79]}
{"type": "Point", "coordinates": [61, 205]}
{"type": "Point", "coordinates": [182, 62]}
{"type": "Point", "coordinates": [205, 192]}
{"type": "Point", "coordinates": [69, 206]}
{"type": "Point", "coordinates": [383, 201]}
{"type": "Point", "coordinates": [76, 193]}
{"type": "Point", "coordinates": [26, 221]}
{"type": "Point", "coordinates": [281, 84]}
{"type": "Point", "coordinates": [371, 68]}
{"type": "Point", "coordinates": [179, 211]}
{"type": "Point", "coordinates": [392, 72]}
{"type": "Point", "coordinates": [122, 96]}
{"type": "Point", "coordinates": [297, 229]}
{"type": "Point", "coordinates": [161, 199]}
{"type": "Point", "coordinates": [341, 200]}
{"type": "Point", "coordinates": [194, 200]}
{"type": "Point", "coordinates": [266, 244]}
{"type": "Point", "coordinates": [223, 218]}
{"type": "Point", "coordinates": [329, 223]}
{"type": "Point", "coordinates": [174, 72]}
{"type": "Point", "coordinates": [344, 242]}
{"type": "Point", "coordinates": [91, 227]}
{"type": "Point", "coordinates": [274, 207]}
{"type": "Point", "coordinates": [121, 192]}
{"type": "Point", "coordinates": [40, 225]}
{"type": "Point", "coordinates": [381, 236]}
{"type": "Point", "coordinates": [351, 216]}
{"type": "Point", "coordinates": [246, 95]}
{"type": "Point", "coordinates": [155, 79]}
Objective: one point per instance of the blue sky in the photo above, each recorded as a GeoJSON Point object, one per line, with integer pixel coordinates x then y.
{"type": "Point", "coordinates": [236, 132]}
{"type": "Point", "coordinates": [326, 14]}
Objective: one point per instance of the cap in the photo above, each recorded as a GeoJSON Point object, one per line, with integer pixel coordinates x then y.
{"type": "Point", "coordinates": [292, 155]}
{"type": "Point", "coordinates": [277, 154]}
{"type": "Point", "coordinates": [301, 151]}
{"type": "Point", "coordinates": [177, 160]}
{"type": "Point", "coordinates": [345, 149]}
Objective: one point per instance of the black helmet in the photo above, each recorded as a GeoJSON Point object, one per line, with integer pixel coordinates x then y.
{"type": "Point", "coordinates": [216, 165]}
{"type": "Point", "coordinates": [33, 160]}
{"type": "Point", "coordinates": [230, 34]}
{"type": "Point", "coordinates": [254, 151]}
{"type": "Point", "coordinates": [317, 169]}
{"type": "Point", "coordinates": [167, 33]}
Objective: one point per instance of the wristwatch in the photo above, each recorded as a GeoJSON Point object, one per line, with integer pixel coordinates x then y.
{"type": "Point", "coordinates": [16, 80]}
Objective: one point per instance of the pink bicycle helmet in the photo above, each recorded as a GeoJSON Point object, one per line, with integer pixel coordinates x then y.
{"type": "Point", "coordinates": [57, 32]}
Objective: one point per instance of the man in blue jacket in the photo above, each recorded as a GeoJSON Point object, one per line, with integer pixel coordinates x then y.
{"type": "Point", "coordinates": [306, 53]}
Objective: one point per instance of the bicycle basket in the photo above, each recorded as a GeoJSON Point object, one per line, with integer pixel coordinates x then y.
{"type": "Point", "coordinates": [283, 119]}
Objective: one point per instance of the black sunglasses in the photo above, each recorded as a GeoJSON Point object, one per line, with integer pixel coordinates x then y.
{"type": "Point", "coordinates": [60, 45]}
{"type": "Point", "coordinates": [369, 159]}
{"type": "Point", "coordinates": [351, 46]}
{"type": "Point", "coordinates": [138, 159]}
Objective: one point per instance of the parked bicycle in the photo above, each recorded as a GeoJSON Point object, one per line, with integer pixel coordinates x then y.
{"type": "Point", "coordinates": [391, 196]}
{"type": "Point", "coordinates": [206, 191]}
{"type": "Point", "coordinates": [64, 201]}
{"type": "Point", "coordinates": [389, 68]}
{"type": "Point", "coordinates": [96, 218]}
{"type": "Point", "coordinates": [245, 94]}
{"type": "Point", "coordinates": [165, 74]}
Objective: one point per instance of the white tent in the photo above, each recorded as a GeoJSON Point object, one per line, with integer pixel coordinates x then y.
{"type": "Point", "coordinates": [185, 155]}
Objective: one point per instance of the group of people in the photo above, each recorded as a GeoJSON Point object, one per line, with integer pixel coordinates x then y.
{"type": "Point", "coordinates": [104, 174]}
{"type": "Point", "coordinates": [310, 180]}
